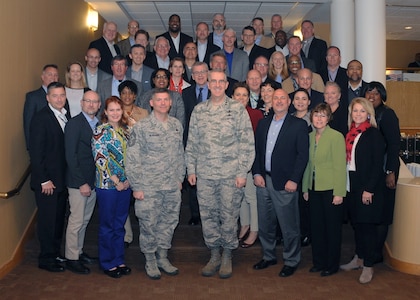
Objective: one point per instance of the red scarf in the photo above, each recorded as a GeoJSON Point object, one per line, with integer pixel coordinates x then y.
{"type": "Point", "coordinates": [351, 136]}
{"type": "Point", "coordinates": [177, 88]}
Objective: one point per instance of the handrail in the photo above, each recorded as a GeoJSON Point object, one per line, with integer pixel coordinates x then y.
{"type": "Point", "coordinates": [18, 187]}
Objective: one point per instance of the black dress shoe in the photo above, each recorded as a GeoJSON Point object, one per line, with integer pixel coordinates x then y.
{"type": "Point", "coordinates": [124, 270]}
{"type": "Point", "coordinates": [113, 273]}
{"type": "Point", "coordinates": [76, 267]}
{"type": "Point", "coordinates": [126, 245]}
{"type": "Point", "coordinates": [315, 269]}
{"type": "Point", "coordinates": [60, 259]}
{"type": "Point", "coordinates": [287, 271]}
{"type": "Point", "coordinates": [194, 221]}
{"type": "Point", "coordinates": [328, 272]}
{"type": "Point", "coordinates": [86, 259]}
{"type": "Point", "coordinates": [245, 236]}
{"type": "Point", "coordinates": [52, 267]}
{"type": "Point", "coordinates": [262, 264]}
{"type": "Point", "coordinates": [305, 241]}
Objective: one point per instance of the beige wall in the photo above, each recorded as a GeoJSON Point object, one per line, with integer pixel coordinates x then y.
{"type": "Point", "coordinates": [34, 33]}
{"type": "Point", "coordinates": [400, 53]}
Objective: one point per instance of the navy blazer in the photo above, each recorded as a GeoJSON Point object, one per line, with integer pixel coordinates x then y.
{"type": "Point", "coordinates": [106, 55]}
{"type": "Point", "coordinates": [80, 164]}
{"type": "Point", "coordinates": [318, 53]}
{"type": "Point", "coordinates": [316, 98]}
{"type": "Point", "coordinates": [256, 51]}
{"type": "Point", "coordinates": [183, 40]}
{"type": "Point", "coordinates": [46, 150]}
{"type": "Point", "coordinates": [211, 48]}
{"type": "Point", "coordinates": [290, 154]}
{"type": "Point", "coordinates": [342, 80]}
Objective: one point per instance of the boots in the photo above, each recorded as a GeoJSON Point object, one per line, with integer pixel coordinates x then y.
{"type": "Point", "coordinates": [164, 264]}
{"type": "Point", "coordinates": [366, 275]}
{"type": "Point", "coordinates": [151, 266]}
{"type": "Point", "coordinates": [213, 265]}
{"type": "Point", "coordinates": [354, 264]}
{"type": "Point", "coordinates": [226, 266]}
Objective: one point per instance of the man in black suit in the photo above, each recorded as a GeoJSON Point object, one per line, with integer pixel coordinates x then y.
{"type": "Point", "coordinates": [356, 84]}
{"type": "Point", "coordinates": [218, 62]}
{"type": "Point", "coordinates": [46, 150]}
{"type": "Point", "coordinates": [204, 46]}
{"type": "Point", "coordinates": [281, 149]}
{"type": "Point", "coordinates": [253, 50]}
{"type": "Point", "coordinates": [36, 100]}
{"type": "Point", "coordinates": [107, 46]}
{"type": "Point", "coordinates": [80, 181]}
{"type": "Point", "coordinates": [176, 38]}
{"type": "Point", "coordinates": [313, 48]}
{"type": "Point", "coordinates": [281, 43]}
{"type": "Point", "coordinates": [333, 72]}
{"type": "Point", "coordinates": [192, 95]}
{"type": "Point", "coordinates": [295, 48]}
{"type": "Point", "coordinates": [304, 80]}
{"type": "Point", "coordinates": [261, 65]}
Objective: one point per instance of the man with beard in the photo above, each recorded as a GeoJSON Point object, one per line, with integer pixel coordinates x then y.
{"type": "Point", "coordinates": [176, 38]}
{"type": "Point", "coordinates": [281, 43]}
{"type": "Point", "coordinates": [356, 84]}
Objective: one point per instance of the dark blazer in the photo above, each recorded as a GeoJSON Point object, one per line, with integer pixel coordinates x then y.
{"type": "Point", "coordinates": [211, 48]}
{"type": "Point", "coordinates": [46, 150]}
{"type": "Point", "coordinates": [184, 39]}
{"type": "Point", "coordinates": [318, 53]}
{"type": "Point", "coordinates": [106, 55]}
{"type": "Point", "coordinates": [189, 97]}
{"type": "Point", "coordinates": [256, 51]}
{"type": "Point", "coordinates": [316, 98]}
{"type": "Point", "coordinates": [80, 164]}
{"type": "Point", "coordinates": [290, 154]}
{"type": "Point", "coordinates": [102, 75]}
{"type": "Point", "coordinates": [229, 90]}
{"type": "Point", "coordinates": [146, 80]}
{"type": "Point", "coordinates": [34, 102]}
{"type": "Point", "coordinates": [339, 120]}
{"type": "Point", "coordinates": [151, 60]}
{"type": "Point", "coordinates": [125, 46]}
{"type": "Point", "coordinates": [369, 176]}
{"type": "Point", "coordinates": [351, 94]}
{"type": "Point", "coordinates": [341, 79]}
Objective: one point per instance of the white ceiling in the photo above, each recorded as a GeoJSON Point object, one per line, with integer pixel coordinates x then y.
{"type": "Point", "coordinates": [153, 15]}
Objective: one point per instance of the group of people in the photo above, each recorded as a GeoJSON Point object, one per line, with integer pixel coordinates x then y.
{"type": "Point", "coordinates": [288, 157]}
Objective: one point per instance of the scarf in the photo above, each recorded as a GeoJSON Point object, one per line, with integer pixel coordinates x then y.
{"type": "Point", "coordinates": [351, 136]}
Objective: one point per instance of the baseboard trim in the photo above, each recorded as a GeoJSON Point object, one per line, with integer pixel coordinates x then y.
{"type": "Point", "coordinates": [19, 253]}
{"type": "Point", "coordinates": [401, 266]}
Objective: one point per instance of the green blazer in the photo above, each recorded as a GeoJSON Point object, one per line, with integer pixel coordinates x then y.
{"type": "Point", "coordinates": [328, 160]}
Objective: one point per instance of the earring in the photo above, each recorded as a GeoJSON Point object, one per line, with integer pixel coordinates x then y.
{"type": "Point", "coordinates": [368, 117]}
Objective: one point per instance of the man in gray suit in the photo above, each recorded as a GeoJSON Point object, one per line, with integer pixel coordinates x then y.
{"type": "Point", "coordinates": [93, 74]}
{"type": "Point", "coordinates": [125, 44]}
{"type": "Point", "coordinates": [109, 87]}
{"type": "Point", "coordinates": [238, 62]}
{"type": "Point", "coordinates": [80, 181]}
{"type": "Point", "coordinates": [138, 71]}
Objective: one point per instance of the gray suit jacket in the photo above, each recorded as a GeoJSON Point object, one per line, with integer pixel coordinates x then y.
{"type": "Point", "coordinates": [124, 46]}
{"type": "Point", "coordinates": [105, 91]}
{"type": "Point", "coordinates": [102, 75]}
{"type": "Point", "coordinates": [240, 65]}
{"type": "Point", "coordinates": [146, 77]}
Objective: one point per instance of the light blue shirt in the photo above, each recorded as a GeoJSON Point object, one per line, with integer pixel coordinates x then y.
{"type": "Point", "coordinates": [115, 84]}
{"type": "Point", "coordinates": [217, 39]}
{"type": "Point", "coordinates": [204, 92]}
{"type": "Point", "coordinates": [92, 122]}
{"type": "Point", "coordinates": [273, 133]}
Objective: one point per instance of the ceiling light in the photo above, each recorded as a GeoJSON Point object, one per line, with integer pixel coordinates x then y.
{"type": "Point", "coordinates": [408, 27]}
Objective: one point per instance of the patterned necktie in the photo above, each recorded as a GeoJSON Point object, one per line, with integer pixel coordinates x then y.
{"type": "Point", "coordinates": [200, 95]}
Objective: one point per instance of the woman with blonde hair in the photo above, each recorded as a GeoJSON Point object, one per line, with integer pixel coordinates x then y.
{"type": "Point", "coordinates": [277, 67]}
{"type": "Point", "coordinates": [76, 86]}
{"type": "Point", "coordinates": [365, 148]}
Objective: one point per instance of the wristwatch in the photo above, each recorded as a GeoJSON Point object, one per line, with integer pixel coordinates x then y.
{"type": "Point", "coordinates": [389, 172]}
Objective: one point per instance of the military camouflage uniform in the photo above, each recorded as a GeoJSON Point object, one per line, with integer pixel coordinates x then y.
{"type": "Point", "coordinates": [220, 148]}
{"type": "Point", "coordinates": [156, 166]}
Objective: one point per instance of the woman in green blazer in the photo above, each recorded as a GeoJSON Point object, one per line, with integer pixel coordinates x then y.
{"type": "Point", "coordinates": [324, 186]}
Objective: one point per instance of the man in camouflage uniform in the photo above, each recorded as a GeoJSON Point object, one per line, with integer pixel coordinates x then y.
{"type": "Point", "coordinates": [156, 168]}
{"type": "Point", "coordinates": [219, 153]}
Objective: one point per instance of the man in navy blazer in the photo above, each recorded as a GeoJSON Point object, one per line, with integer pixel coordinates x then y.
{"type": "Point", "coordinates": [80, 181]}
{"type": "Point", "coordinates": [204, 46]}
{"type": "Point", "coordinates": [46, 150]}
{"type": "Point", "coordinates": [174, 33]}
{"type": "Point", "coordinates": [106, 46]}
{"type": "Point", "coordinates": [313, 48]}
{"type": "Point", "coordinates": [281, 149]}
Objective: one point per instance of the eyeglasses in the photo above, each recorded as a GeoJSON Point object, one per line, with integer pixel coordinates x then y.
{"type": "Point", "coordinates": [261, 65]}
{"type": "Point", "coordinates": [200, 72]}
{"type": "Point", "coordinates": [214, 81]}
{"type": "Point", "coordinates": [161, 77]}
{"type": "Point", "coordinates": [88, 101]}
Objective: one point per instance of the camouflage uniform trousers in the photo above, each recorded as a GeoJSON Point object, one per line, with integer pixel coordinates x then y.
{"type": "Point", "coordinates": [158, 216]}
{"type": "Point", "coordinates": [220, 202]}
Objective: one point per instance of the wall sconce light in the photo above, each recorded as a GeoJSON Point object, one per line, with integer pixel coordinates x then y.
{"type": "Point", "coordinates": [298, 33]}
{"type": "Point", "coordinates": [92, 19]}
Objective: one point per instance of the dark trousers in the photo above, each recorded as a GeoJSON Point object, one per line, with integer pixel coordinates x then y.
{"type": "Point", "coordinates": [51, 215]}
{"type": "Point", "coordinates": [113, 211]}
{"type": "Point", "coordinates": [366, 239]}
{"type": "Point", "coordinates": [326, 220]}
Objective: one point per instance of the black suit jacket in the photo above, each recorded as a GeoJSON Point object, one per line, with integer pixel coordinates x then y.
{"type": "Point", "coordinates": [316, 98]}
{"type": "Point", "coordinates": [318, 53]}
{"type": "Point", "coordinates": [106, 55]}
{"type": "Point", "coordinates": [46, 150]}
{"type": "Point", "coordinates": [184, 39]}
{"type": "Point", "coordinates": [255, 52]}
{"type": "Point", "coordinates": [151, 60]}
{"type": "Point", "coordinates": [342, 80]}
{"type": "Point", "coordinates": [211, 48]}
{"type": "Point", "coordinates": [34, 102]}
{"type": "Point", "coordinates": [290, 154]}
{"type": "Point", "coordinates": [80, 164]}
